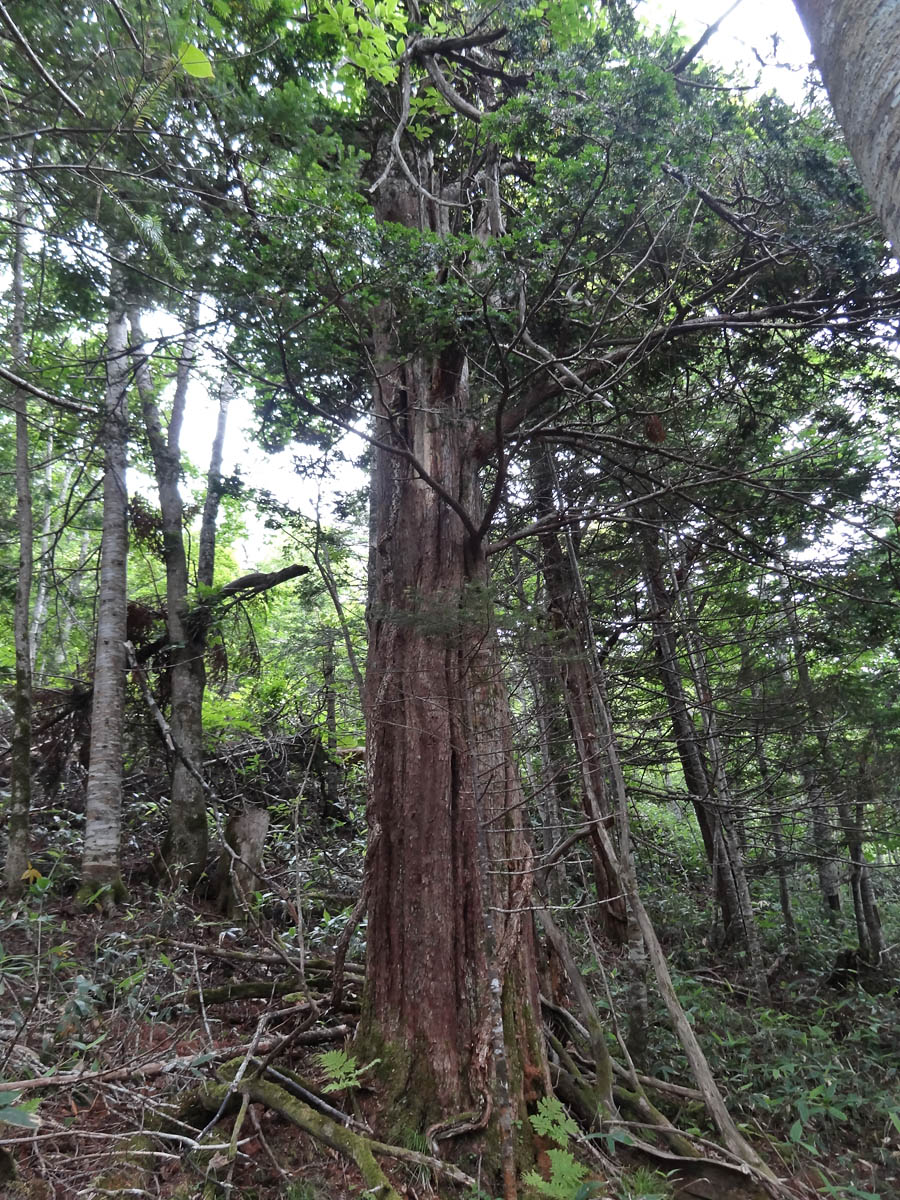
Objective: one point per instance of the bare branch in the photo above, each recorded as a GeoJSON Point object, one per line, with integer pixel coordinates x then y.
{"type": "Point", "coordinates": [48, 397]}
{"type": "Point", "coordinates": [690, 54]}
{"type": "Point", "coordinates": [22, 42]}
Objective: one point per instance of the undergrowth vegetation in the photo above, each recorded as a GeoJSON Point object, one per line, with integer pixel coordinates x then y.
{"type": "Point", "coordinates": [812, 1076]}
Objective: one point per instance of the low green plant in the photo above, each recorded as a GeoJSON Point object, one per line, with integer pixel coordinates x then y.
{"type": "Point", "coordinates": [566, 1172]}
{"type": "Point", "coordinates": [13, 1113]}
{"type": "Point", "coordinates": [643, 1183]}
{"type": "Point", "coordinates": [341, 1069]}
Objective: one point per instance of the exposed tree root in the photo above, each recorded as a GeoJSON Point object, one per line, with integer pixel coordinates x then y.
{"type": "Point", "coordinates": [360, 1149]}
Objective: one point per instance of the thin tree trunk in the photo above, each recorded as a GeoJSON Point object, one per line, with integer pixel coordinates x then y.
{"type": "Point", "coordinates": [823, 843]}
{"type": "Point", "coordinates": [69, 598]}
{"type": "Point", "coordinates": [40, 596]}
{"type": "Point", "coordinates": [625, 866]}
{"type": "Point", "coordinates": [206, 554]}
{"type": "Point", "coordinates": [185, 848]}
{"type": "Point", "coordinates": [871, 917]}
{"type": "Point", "coordinates": [547, 792]}
{"type": "Point", "coordinates": [323, 562]}
{"type": "Point", "coordinates": [696, 772]}
{"type": "Point", "coordinates": [102, 828]}
{"type": "Point", "coordinates": [765, 775]}
{"type": "Point", "coordinates": [865, 908]}
{"type": "Point", "coordinates": [724, 801]}
{"type": "Point", "coordinates": [572, 641]}
{"type": "Point", "coordinates": [822, 778]}
{"type": "Point", "coordinates": [331, 805]}
{"type": "Point", "coordinates": [20, 754]}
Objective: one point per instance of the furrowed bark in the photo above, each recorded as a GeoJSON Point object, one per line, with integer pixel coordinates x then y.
{"type": "Point", "coordinates": [450, 942]}
{"type": "Point", "coordinates": [857, 49]}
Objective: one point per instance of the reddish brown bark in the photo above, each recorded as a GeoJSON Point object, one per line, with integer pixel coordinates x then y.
{"type": "Point", "coordinates": [439, 755]}
{"type": "Point", "coordinates": [450, 936]}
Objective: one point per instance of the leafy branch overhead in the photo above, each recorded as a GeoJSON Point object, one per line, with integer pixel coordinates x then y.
{"type": "Point", "coordinates": [553, 367]}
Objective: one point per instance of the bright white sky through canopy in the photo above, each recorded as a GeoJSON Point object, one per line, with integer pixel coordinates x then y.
{"type": "Point", "coordinates": [770, 29]}
{"type": "Point", "coordinates": [767, 30]}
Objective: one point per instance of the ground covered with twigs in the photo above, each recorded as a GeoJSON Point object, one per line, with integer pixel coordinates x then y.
{"type": "Point", "coordinates": [169, 1051]}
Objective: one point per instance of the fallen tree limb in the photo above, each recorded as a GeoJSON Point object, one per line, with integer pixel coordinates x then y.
{"type": "Point", "coordinates": [308, 1037]}
{"type": "Point", "coordinates": [312, 964]}
{"type": "Point", "coordinates": [252, 989]}
{"type": "Point", "coordinates": [359, 1149]}
{"type": "Point", "coordinates": [182, 1062]}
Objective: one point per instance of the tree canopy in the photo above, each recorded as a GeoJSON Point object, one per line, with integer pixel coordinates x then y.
{"type": "Point", "coordinates": [563, 754]}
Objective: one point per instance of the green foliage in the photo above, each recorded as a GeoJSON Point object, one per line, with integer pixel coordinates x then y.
{"type": "Point", "coordinates": [342, 1070]}
{"type": "Point", "coordinates": [643, 1183]}
{"type": "Point", "coordinates": [194, 62]}
{"type": "Point", "coordinates": [24, 1115]}
{"type": "Point", "coordinates": [551, 1120]}
{"type": "Point", "coordinates": [566, 1173]}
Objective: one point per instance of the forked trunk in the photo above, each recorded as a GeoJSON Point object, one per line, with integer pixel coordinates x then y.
{"type": "Point", "coordinates": [186, 842]}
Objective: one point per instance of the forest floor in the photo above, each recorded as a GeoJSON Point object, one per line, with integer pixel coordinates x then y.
{"type": "Point", "coordinates": [131, 1014]}
{"type": "Point", "coordinates": [126, 1018]}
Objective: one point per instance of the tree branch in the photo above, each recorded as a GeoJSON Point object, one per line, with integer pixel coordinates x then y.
{"type": "Point", "coordinates": [22, 42]}
{"type": "Point", "coordinates": [48, 397]}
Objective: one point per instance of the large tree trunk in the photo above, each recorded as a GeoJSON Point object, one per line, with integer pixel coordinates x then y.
{"type": "Point", "coordinates": [446, 803]}
{"type": "Point", "coordinates": [20, 752]}
{"type": "Point", "coordinates": [857, 49]}
{"type": "Point", "coordinates": [100, 864]}
{"type": "Point", "coordinates": [451, 997]}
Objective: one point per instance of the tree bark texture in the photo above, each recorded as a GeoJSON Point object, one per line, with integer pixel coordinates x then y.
{"type": "Point", "coordinates": [100, 865]}
{"type": "Point", "coordinates": [571, 645]}
{"type": "Point", "coordinates": [450, 944]}
{"type": "Point", "coordinates": [857, 49]}
{"type": "Point", "coordinates": [20, 751]}
{"type": "Point", "coordinates": [186, 844]}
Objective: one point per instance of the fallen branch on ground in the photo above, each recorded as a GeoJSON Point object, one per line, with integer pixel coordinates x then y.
{"type": "Point", "coordinates": [361, 1150]}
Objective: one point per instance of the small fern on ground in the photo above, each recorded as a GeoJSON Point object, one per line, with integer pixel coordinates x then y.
{"type": "Point", "coordinates": [566, 1172]}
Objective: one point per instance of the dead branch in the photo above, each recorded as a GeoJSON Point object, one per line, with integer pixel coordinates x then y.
{"type": "Point", "coordinates": [137, 1071]}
